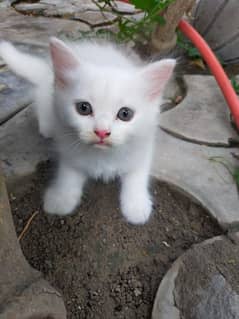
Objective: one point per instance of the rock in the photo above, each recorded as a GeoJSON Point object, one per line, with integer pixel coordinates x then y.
{"type": "Point", "coordinates": [69, 8]}
{"type": "Point", "coordinates": [198, 171]}
{"type": "Point", "coordinates": [36, 30]}
{"type": "Point", "coordinates": [85, 11]}
{"type": "Point", "coordinates": [202, 284]}
{"type": "Point", "coordinates": [24, 294]}
{"type": "Point", "coordinates": [36, 8]}
{"type": "Point", "coordinates": [14, 94]}
{"type": "Point", "coordinates": [95, 18]}
{"type": "Point", "coordinates": [124, 8]}
{"type": "Point", "coordinates": [203, 107]}
{"type": "Point", "coordinates": [6, 3]}
{"type": "Point", "coordinates": [209, 20]}
{"type": "Point", "coordinates": [22, 148]}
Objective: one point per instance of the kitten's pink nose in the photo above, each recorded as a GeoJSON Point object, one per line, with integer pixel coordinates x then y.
{"type": "Point", "coordinates": [102, 133]}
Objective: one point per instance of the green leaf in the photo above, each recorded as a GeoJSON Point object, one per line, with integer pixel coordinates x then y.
{"type": "Point", "coordinates": [236, 176]}
{"type": "Point", "coordinates": [145, 5]}
{"type": "Point", "coordinates": [235, 84]}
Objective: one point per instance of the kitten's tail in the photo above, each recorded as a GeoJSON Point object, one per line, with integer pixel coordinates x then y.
{"type": "Point", "coordinates": [33, 69]}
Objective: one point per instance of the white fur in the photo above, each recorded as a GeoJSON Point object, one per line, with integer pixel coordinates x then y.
{"type": "Point", "coordinates": [108, 79]}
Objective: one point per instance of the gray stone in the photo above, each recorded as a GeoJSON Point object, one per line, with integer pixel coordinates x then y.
{"type": "Point", "coordinates": [6, 3]}
{"type": "Point", "coordinates": [36, 30]}
{"type": "Point", "coordinates": [14, 94]}
{"type": "Point", "coordinates": [124, 8]}
{"type": "Point", "coordinates": [37, 8]}
{"type": "Point", "coordinates": [203, 282]}
{"type": "Point", "coordinates": [95, 18]}
{"type": "Point", "coordinates": [56, 8]}
{"type": "Point", "coordinates": [64, 7]}
{"type": "Point", "coordinates": [203, 115]}
{"type": "Point", "coordinates": [209, 20]}
{"type": "Point", "coordinates": [199, 172]}
{"type": "Point", "coordinates": [85, 11]}
{"type": "Point", "coordinates": [22, 148]}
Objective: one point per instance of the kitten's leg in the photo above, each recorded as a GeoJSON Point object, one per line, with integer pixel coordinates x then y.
{"type": "Point", "coordinates": [136, 204]}
{"type": "Point", "coordinates": [64, 194]}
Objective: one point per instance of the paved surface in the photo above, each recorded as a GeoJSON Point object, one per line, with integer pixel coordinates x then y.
{"type": "Point", "coordinates": [202, 284]}
{"type": "Point", "coordinates": [36, 30]}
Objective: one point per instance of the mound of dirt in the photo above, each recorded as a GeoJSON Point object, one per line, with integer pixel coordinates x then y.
{"type": "Point", "coordinates": [105, 267]}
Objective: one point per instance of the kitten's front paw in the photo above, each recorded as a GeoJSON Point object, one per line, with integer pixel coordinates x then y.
{"type": "Point", "coordinates": [60, 203]}
{"type": "Point", "coordinates": [136, 210]}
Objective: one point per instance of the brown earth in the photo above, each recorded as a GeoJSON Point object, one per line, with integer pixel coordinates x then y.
{"type": "Point", "coordinates": [105, 267]}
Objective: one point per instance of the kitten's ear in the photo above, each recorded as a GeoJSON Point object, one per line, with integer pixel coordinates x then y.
{"type": "Point", "coordinates": [156, 76]}
{"type": "Point", "coordinates": [64, 62]}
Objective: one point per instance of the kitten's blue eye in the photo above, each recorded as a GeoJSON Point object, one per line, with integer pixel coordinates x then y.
{"type": "Point", "coordinates": [83, 108]}
{"type": "Point", "coordinates": [125, 114]}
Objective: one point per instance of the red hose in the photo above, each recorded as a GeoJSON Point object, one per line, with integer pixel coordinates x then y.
{"type": "Point", "coordinates": [215, 67]}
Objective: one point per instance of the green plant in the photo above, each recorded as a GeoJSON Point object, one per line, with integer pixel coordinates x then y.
{"type": "Point", "coordinates": [132, 28]}
{"type": "Point", "coordinates": [191, 51]}
{"type": "Point", "coordinates": [235, 84]}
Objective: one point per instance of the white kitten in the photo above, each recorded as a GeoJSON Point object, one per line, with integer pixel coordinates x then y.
{"type": "Point", "coordinates": [101, 108]}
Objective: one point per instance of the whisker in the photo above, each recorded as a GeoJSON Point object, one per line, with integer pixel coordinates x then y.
{"type": "Point", "coordinates": [74, 145]}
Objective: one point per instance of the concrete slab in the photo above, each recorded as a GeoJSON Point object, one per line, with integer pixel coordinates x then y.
{"type": "Point", "coordinates": [211, 269]}
{"type": "Point", "coordinates": [55, 8]}
{"type": "Point", "coordinates": [36, 30]}
{"type": "Point", "coordinates": [189, 168]}
{"type": "Point", "coordinates": [85, 11]}
{"type": "Point", "coordinates": [70, 8]}
{"type": "Point", "coordinates": [203, 116]}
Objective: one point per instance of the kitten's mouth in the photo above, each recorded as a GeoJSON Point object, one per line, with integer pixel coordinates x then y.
{"type": "Point", "coordinates": [102, 144]}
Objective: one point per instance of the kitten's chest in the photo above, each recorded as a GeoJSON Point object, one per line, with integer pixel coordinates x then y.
{"type": "Point", "coordinates": [101, 164]}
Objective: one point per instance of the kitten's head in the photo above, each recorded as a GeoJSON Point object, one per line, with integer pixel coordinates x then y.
{"type": "Point", "coordinates": [107, 105]}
